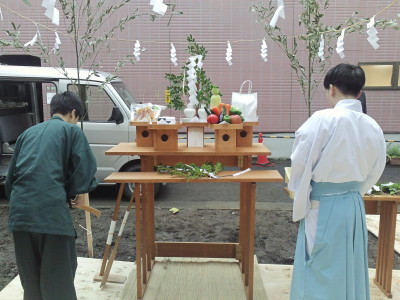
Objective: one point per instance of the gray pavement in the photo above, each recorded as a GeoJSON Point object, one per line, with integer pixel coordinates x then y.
{"type": "Point", "coordinates": [270, 196]}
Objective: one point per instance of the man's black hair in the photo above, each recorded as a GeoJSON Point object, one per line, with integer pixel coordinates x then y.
{"type": "Point", "coordinates": [349, 79]}
{"type": "Point", "coordinates": [65, 103]}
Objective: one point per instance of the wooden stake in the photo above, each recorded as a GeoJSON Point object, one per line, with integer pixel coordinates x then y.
{"type": "Point", "coordinates": [89, 234]}
{"type": "Point", "coordinates": [112, 228]}
{"type": "Point", "coordinates": [114, 251]}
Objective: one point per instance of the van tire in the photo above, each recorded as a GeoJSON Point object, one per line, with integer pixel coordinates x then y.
{"type": "Point", "coordinates": [129, 187]}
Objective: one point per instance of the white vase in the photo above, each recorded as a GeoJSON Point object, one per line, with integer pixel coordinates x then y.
{"type": "Point", "coordinates": [189, 111]}
{"type": "Point", "coordinates": [202, 113]}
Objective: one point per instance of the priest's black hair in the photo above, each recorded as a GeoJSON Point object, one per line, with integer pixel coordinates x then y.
{"type": "Point", "coordinates": [65, 103]}
{"type": "Point", "coordinates": [349, 79]}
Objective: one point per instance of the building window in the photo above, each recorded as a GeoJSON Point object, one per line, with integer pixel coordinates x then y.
{"type": "Point", "coordinates": [381, 75]}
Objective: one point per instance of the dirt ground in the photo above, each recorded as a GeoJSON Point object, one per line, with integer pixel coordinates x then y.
{"type": "Point", "coordinates": [275, 235]}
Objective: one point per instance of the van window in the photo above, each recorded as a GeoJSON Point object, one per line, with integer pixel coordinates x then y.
{"type": "Point", "coordinates": [14, 97]}
{"type": "Point", "coordinates": [124, 93]}
{"type": "Point", "coordinates": [99, 104]}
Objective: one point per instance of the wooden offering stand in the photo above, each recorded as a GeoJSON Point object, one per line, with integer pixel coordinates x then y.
{"type": "Point", "coordinates": [223, 150]}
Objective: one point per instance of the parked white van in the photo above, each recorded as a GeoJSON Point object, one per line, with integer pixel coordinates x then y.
{"type": "Point", "coordinates": [25, 94]}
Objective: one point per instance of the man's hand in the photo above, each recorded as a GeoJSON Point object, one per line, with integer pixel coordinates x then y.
{"type": "Point", "coordinates": [78, 201]}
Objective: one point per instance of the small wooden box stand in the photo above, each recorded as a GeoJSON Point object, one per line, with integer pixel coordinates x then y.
{"type": "Point", "coordinates": [159, 136]}
{"type": "Point", "coordinates": [144, 137]}
{"type": "Point", "coordinates": [244, 136]}
{"type": "Point", "coordinates": [225, 136]}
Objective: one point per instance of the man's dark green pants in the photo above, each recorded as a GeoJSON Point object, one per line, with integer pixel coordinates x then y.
{"type": "Point", "coordinates": [46, 265]}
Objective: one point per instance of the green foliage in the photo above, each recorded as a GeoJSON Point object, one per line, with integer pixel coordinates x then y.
{"type": "Point", "coordinates": [310, 70]}
{"type": "Point", "coordinates": [178, 85]}
{"type": "Point", "coordinates": [393, 151]}
{"type": "Point", "coordinates": [386, 188]}
{"type": "Point", "coordinates": [190, 171]}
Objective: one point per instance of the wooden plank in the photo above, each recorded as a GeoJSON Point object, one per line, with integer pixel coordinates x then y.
{"type": "Point", "coordinates": [226, 126]}
{"type": "Point", "coordinates": [277, 280]}
{"type": "Point", "coordinates": [382, 198]}
{"type": "Point", "coordinates": [183, 150]}
{"type": "Point", "coordinates": [88, 221]}
{"type": "Point", "coordinates": [188, 249]}
{"type": "Point", "coordinates": [153, 177]}
{"type": "Point", "coordinates": [195, 124]}
{"type": "Point", "coordinates": [86, 289]}
{"type": "Point", "coordinates": [155, 126]}
{"type": "Point", "coordinates": [198, 160]}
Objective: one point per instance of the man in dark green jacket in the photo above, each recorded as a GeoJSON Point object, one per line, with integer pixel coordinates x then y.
{"type": "Point", "coordinates": [52, 163]}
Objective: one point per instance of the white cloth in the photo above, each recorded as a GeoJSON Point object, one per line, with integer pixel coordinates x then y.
{"type": "Point", "coordinates": [310, 224]}
{"type": "Point", "coordinates": [336, 145]}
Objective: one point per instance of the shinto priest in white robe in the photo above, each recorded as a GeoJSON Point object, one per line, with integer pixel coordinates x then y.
{"type": "Point", "coordinates": [334, 146]}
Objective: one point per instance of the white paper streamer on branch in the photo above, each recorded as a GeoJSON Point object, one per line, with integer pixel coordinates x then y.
{"type": "Point", "coordinates": [57, 43]}
{"type": "Point", "coordinates": [1, 15]}
{"type": "Point", "coordinates": [192, 77]}
{"type": "Point", "coordinates": [264, 50]}
{"type": "Point", "coordinates": [34, 40]}
{"type": "Point", "coordinates": [280, 12]}
{"type": "Point", "coordinates": [173, 55]}
{"type": "Point", "coordinates": [51, 12]}
{"type": "Point", "coordinates": [136, 51]}
{"type": "Point", "coordinates": [340, 44]}
{"type": "Point", "coordinates": [159, 7]}
{"type": "Point", "coordinates": [229, 54]}
{"type": "Point", "coordinates": [321, 48]}
{"type": "Point", "coordinates": [372, 33]}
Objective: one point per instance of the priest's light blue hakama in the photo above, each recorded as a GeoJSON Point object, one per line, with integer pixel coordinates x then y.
{"type": "Point", "coordinates": [337, 268]}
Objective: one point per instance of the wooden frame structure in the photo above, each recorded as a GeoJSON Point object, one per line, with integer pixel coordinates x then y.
{"type": "Point", "coordinates": [146, 246]}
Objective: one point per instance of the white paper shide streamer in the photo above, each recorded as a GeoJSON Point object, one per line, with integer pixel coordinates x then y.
{"type": "Point", "coordinates": [57, 43]}
{"type": "Point", "coordinates": [1, 15]}
{"type": "Point", "coordinates": [372, 33]}
{"type": "Point", "coordinates": [33, 40]}
{"type": "Point", "coordinates": [264, 50]}
{"type": "Point", "coordinates": [340, 44]}
{"type": "Point", "coordinates": [192, 77]}
{"type": "Point", "coordinates": [51, 12]}
{"type": "Point", "coordinates": [159, 7]}
{"type": "Point", "coordinates": [280, 12]}
{"type": "Point", "coordinates": [173, 55]}
{"type": "Point", "coordinates": [321, 48]}
{"type": "Point", "coordinates": [136, 51]}
{"type": "Point", "coordinates": [229, 54]}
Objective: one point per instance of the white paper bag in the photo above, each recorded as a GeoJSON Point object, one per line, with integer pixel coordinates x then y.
{"type": "Point", "coordinates": [246, 103]}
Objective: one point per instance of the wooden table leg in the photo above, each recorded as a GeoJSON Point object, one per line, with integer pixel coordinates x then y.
{"type": "Point", "coordinates": [243, 226]}
{"type": "Point", "coordinates": [251, 216]}
{"type": "Point", "coordinates": [150, 224]}
{"type": "Point", "coordinates": [112, 229]}
{"type": "Point", "coordinates": [138, 223]}
{"type": "Point", "coordinates": [386, 238]}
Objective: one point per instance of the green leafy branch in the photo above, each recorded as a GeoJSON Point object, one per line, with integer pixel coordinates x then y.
{"type": "Point", "coordinates": [178, 86]}
{"type": "Point", "coordinates": [386, 188]}
{"type": "Point", "coordinates": [309, 71]}
{"type": "Point", "coordinates": [190, 171]}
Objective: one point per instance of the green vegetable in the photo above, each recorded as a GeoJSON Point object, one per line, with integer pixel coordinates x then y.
{"type": "Point", "coordinates": [190, 171]}
{"type": "Point", "coordinates": [242, 118]}
{"type": "Point", "coordinates": [235, 111]}
{"type": "Point", "coordinates": [208, 111]}
{"type": "Point", "coordinates": [227, 119]}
